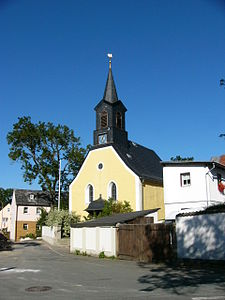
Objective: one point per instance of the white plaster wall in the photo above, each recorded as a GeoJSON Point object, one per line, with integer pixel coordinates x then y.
{"type": "Point", "coordinates": [51, 234]}
{"type": "Point", "coordinates": [177, 197]}
{"type": "Point", "coordinates": [31, 215]}
{"type": "Point", "coordinates": [201, 236]}
{"type": "Point", "coordinates": [5, 213]}
{"type": "Point", "coordinates": [93, 240]}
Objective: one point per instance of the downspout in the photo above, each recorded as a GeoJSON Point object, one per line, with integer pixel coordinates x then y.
{"type": "Point", "coordinates": [206, 184]}
{"type": "Point", "coordinates": [16, 223]}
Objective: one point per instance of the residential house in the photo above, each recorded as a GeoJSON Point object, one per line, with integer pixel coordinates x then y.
{"type": "Point", "coordinates": [5, 217]}
{"type": "Point", "coordinates": [192, 185]}
{"type": "Point", "coordinates": [116, 167]}
{"type": "Point", "coordinates": [25, 211]}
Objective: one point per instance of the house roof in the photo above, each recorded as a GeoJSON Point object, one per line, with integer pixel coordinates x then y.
{"type": "Point", "coordinates": [114, 219]}
{"type": "Point", "coordinates": [142, 161]}
{"type": "Point", "coordinates": [193, 163]}
{"type": "Point", "coordinates": [40, 198]}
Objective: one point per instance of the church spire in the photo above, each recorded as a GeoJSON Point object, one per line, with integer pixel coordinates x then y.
{"type": "Point", "coordinates": [110, 94]}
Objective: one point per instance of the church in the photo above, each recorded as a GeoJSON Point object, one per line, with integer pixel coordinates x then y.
{"type": "Point", "coordinates": [116, 167]}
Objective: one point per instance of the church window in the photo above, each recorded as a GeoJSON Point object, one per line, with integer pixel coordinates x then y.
{"type": "Point", "coordinates": [89, 194]}
{"type": "Point", "coordinates": [104, 119]}
{"type": "Point", "coordinates": [119, 120]}
{"type": "Point", "coordinates": [112, 192]}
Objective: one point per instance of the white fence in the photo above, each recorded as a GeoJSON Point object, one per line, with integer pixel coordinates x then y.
{"type": "Point", "coordinates": [201, 236]}
{"type": "Point", "coordinates": [93, 240]}
{"type": "Point", "coordinates": [51, 234]}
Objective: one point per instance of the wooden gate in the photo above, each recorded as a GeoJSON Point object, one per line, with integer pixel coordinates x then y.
{"type": "Point", "coordinates": [145, 242]}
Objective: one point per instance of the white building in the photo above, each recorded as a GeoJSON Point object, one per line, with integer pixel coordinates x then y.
{"type": "Point", "coordinates": [190, 186]}
{"type": "Point", "coordinates": [5, 217]}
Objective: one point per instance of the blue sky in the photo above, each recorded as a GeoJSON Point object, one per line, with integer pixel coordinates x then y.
{"type": "Point", "coordinates": [168, 58]}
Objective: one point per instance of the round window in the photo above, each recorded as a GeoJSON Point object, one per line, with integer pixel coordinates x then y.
{"type": "Point", "coordinates": [100, 166]}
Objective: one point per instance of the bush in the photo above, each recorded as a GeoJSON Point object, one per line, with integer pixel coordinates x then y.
{"type": "Point", "coordinates": [115, 207]}
{"type": "Point", "coordinates": [31, 236]}
{"type": "Point", "coordinates": [101, 254]}
{"type": "Point", "coordinates": [62, 218]}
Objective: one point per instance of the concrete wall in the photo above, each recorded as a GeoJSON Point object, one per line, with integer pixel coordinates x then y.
{"type": "Point", "coordinates": [201, 236]}
{"type": "Point", "coordinates": [51, 234]}
{"type": "Point", "coordinates": [93, 240]}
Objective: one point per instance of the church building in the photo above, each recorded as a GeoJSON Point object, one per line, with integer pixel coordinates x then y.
{"type": "Point", "coordinates": [116, 167]}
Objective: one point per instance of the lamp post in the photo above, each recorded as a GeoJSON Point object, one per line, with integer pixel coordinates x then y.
{"type": "Point", "coordinates": [59, 184]}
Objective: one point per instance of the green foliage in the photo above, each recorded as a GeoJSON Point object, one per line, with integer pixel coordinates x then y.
{"type": "Point", "coordinates": [39, 148]}
{"type": "Point", "coordinates": [179, 158]}
{"type": "Point", "coordinates": [84, 253]}
{"type": "Point", "coordinates": [114, 207]}
{"type": "Point", "coordinates": [5, 196]}
{"type": "Point", "coordinates": [41, 221]}
{"type": "Point", "coordinates": [43, 217]}
{"type": "Point", "coordinates": [77, 252]}
{"type": "Point", "coordinates": [101, 254]}
{"type": "Point", "coordinates": [31, 236]}
{"type": "Point", "coordinates": [62, 218]}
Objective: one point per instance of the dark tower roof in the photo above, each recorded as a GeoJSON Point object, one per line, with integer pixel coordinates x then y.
{"type": "Point", "coordinates": [110, 94]}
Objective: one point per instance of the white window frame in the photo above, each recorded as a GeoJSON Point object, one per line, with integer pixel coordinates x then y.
{"type": "Point", "coordinates": [25, 225]}
{"type": "Point", "coordinates": [38, 210]}
{"type": "Point", "coordinates": [87, 194]}
{"type": "Point", "coordinates": [109, 190]}
{"type": "Point", "coordinates": [25, 210]}
{"type": "Point", "coordinates": [185, 179]}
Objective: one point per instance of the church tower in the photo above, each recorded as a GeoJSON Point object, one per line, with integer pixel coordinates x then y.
{"type": "Point", "coordinates": [110, 116]}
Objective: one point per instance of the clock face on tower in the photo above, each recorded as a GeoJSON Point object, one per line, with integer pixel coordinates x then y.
{"type": "Point", "coordinates": [102, 138]}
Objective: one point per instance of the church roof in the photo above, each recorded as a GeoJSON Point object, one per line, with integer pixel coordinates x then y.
{"type": "Point", "coordinates": [142, 161]}
{"type": "Point", "coordinates": [110, 94]}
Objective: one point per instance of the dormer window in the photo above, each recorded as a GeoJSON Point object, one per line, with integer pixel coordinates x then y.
{"type": "Point", "coordinates": [104, 119]}
{"type": "Point", "coordinates": [31, 197]}
{"type": "Point", "coordinates": [119, 120]}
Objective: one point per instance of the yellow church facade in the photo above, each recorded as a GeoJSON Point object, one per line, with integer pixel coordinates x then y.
{"type": "Point", "coordinates": [116, 167]}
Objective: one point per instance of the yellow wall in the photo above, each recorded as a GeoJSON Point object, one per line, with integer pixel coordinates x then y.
{"type": "Point", "coordinates": [113, 170]}
{"type": "Point", "coordinates": [153, 198]}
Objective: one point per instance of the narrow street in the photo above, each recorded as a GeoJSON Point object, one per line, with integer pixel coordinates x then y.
{"type": "Point", "coordinates": [34, 269]}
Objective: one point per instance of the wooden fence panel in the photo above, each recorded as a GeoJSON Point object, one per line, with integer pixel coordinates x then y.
{"type": "Point", "coordinates": [146, 242]}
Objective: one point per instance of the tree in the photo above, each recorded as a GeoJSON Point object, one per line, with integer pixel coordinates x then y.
{"type": "Point", "coordinates": [115, 207]}
{"type": "Point", "coordinates": [179, 158]}
{"type": "Point", "coordinates": [5, 196]}
{"type": "Point", "coordinates": [40, 147]}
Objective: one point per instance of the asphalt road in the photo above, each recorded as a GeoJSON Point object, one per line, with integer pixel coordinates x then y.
{"type": "Point", "coordinates": [35, 270]}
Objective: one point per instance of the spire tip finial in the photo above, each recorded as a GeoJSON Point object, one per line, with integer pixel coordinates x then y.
{"type": "Point", "coordinates": [110, 59]}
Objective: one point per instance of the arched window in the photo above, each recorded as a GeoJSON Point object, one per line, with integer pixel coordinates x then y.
{"type": "Point", "coordinates": [119, 120]}
{"type": "Point", "coordinates": [104, 119]}
{"type": "Point", "coordinates": [112, 191]}
{"type": "Point", "coordinates": [89, 194]}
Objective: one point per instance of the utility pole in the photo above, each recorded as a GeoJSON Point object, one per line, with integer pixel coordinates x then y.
{"type": "Point", "coordinates": [59, 184]}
